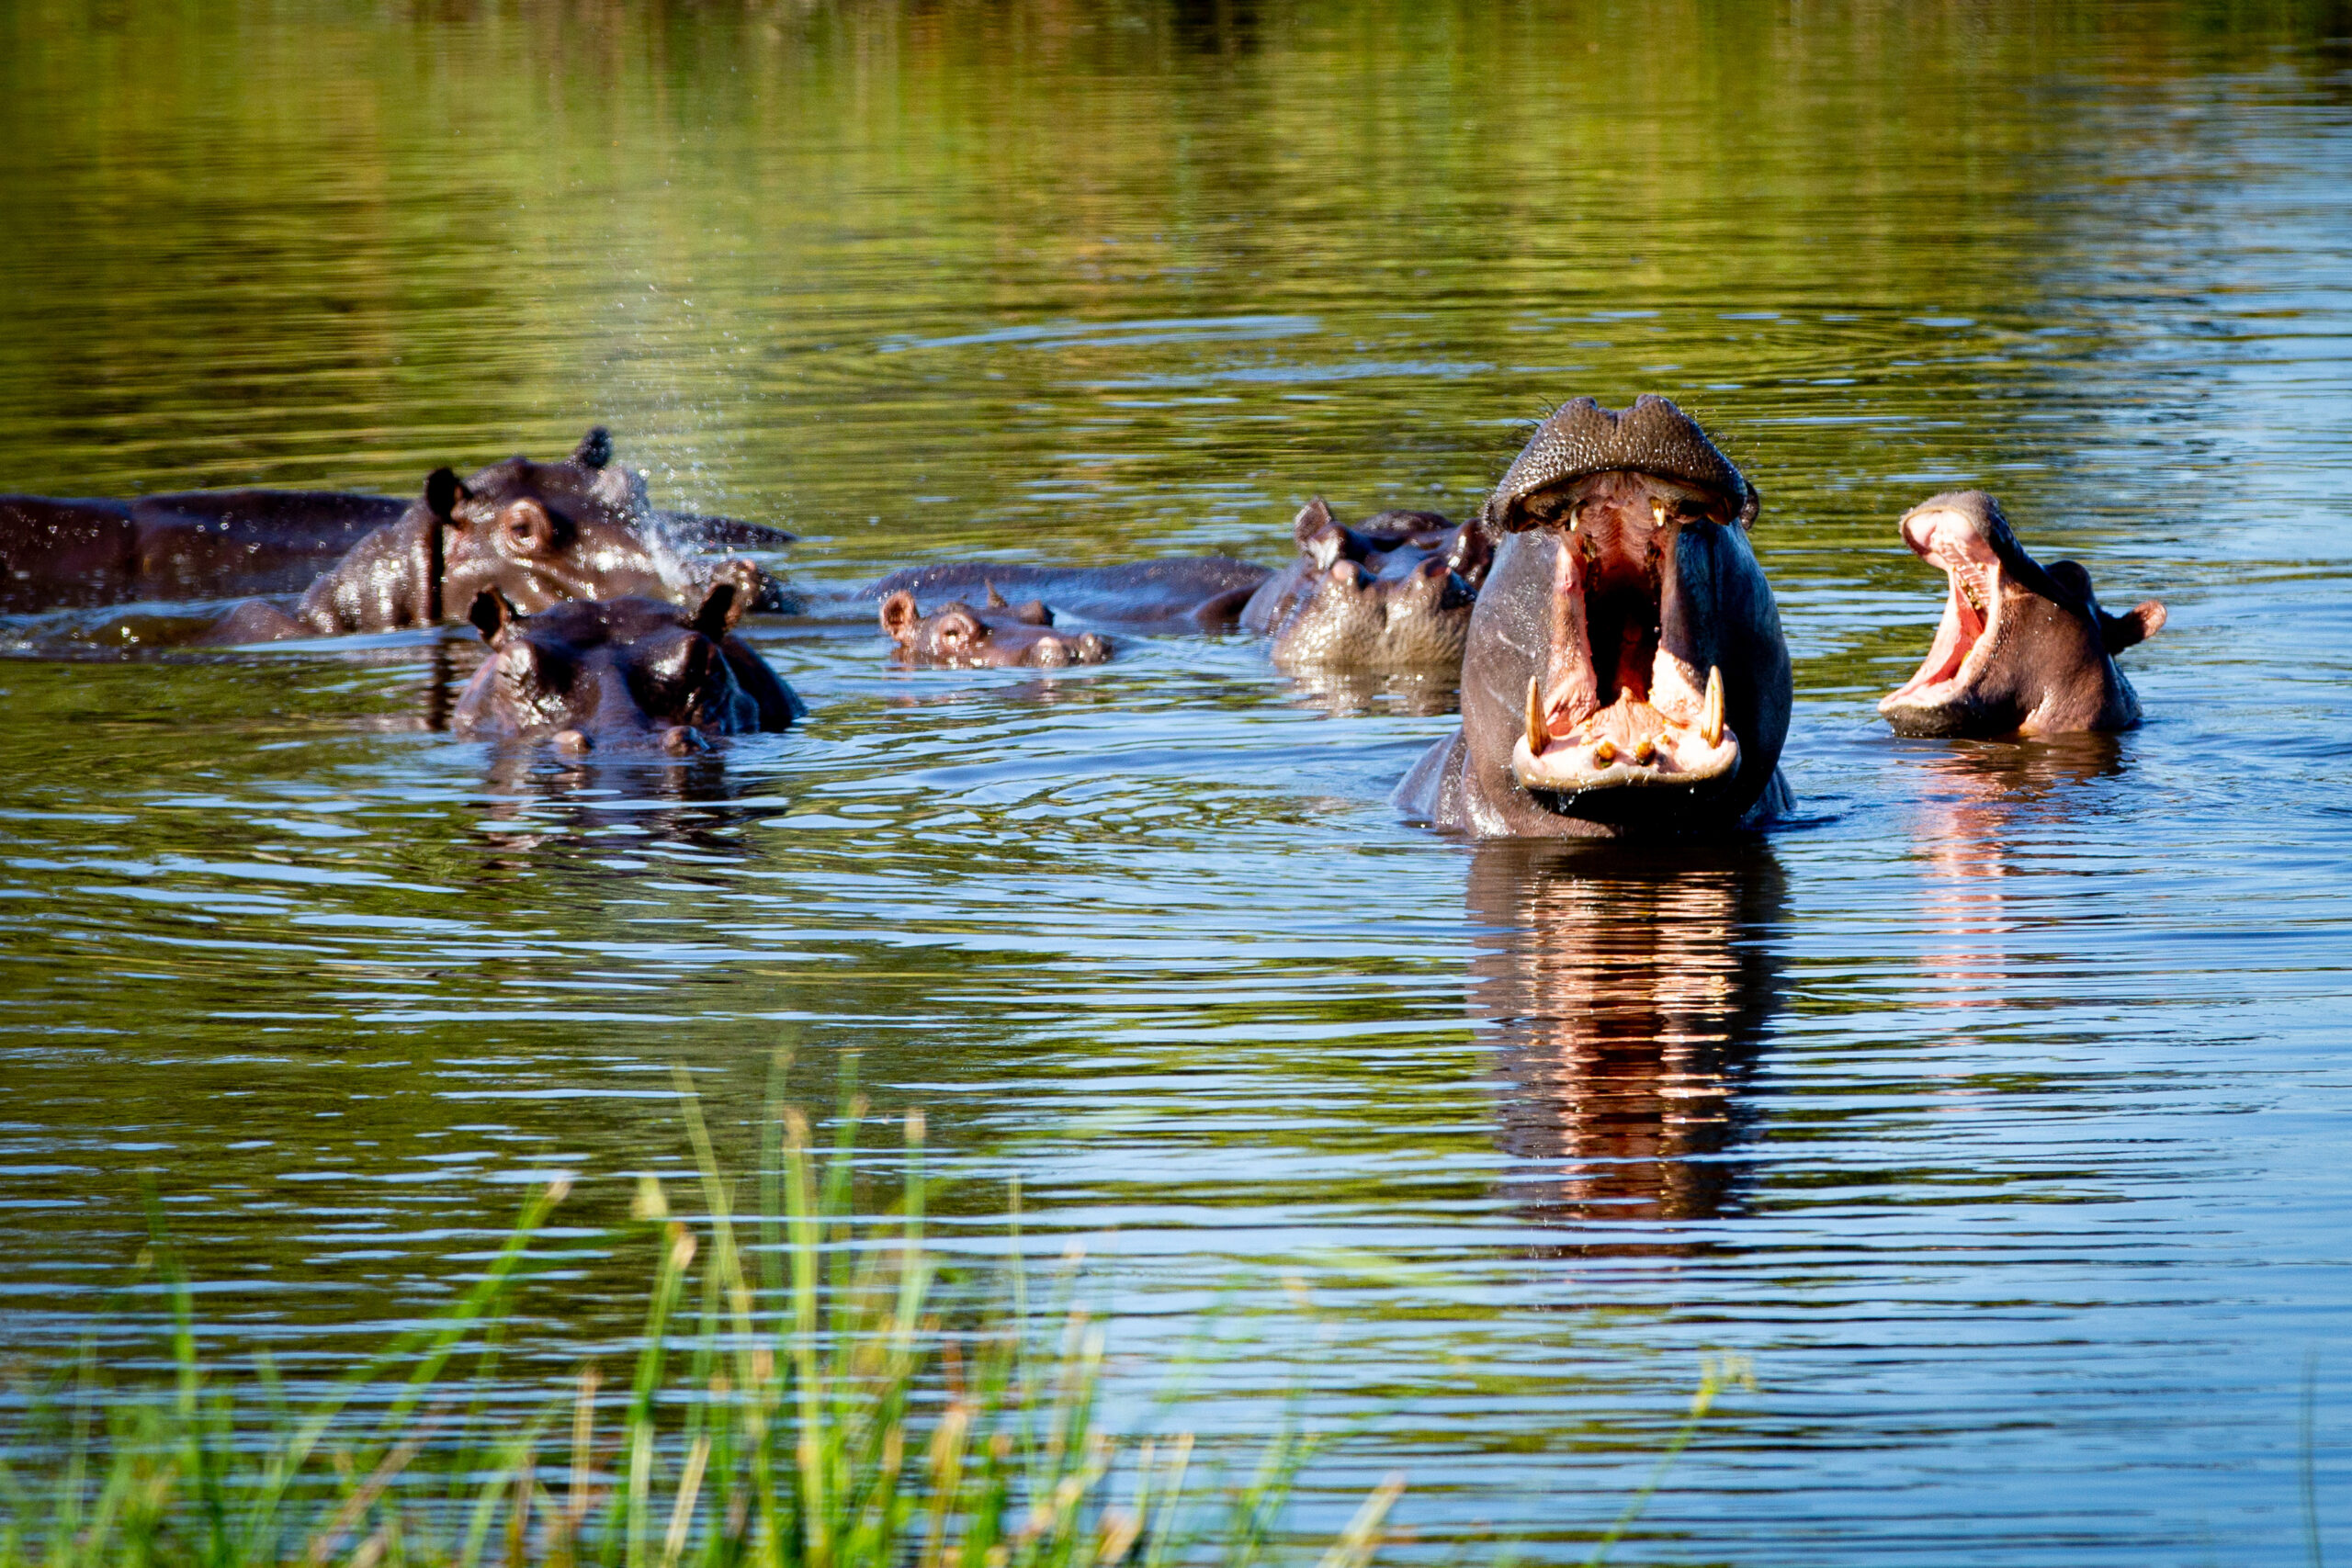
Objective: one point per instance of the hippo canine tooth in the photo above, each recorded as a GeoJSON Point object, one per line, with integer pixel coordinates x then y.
{"type": "Point", "coordinates": [1711, 724]}
{"type": "Point", "coordinates": [1537, 736]}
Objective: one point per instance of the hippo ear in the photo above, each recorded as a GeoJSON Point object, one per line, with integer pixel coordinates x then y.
{"type": "Point", "coordinates": [721, 608]}
{"type": "Point", "coordinates": [995, 601]}
{"type": "Point", "coordinates": [1034, 613]}
{"type": "Point", "coordinates": [900, 615]}
{"type": "Point", "coordinates": [2136, 625]}
{"type": "Point", "coordinates": [491, 613]}
{"type": "Point", "coordinates": [443, 490]}
{"type": "Point", "coordinates": [1312, 519]}
{"type": "Point", "coordinates": [595, 448]}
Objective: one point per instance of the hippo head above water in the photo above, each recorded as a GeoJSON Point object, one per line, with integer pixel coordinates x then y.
{"type": "Point", "coordinates": [2022, 649]}
{"type": "Point", "coordinates": [1624, 671]}
{"type": "Point", "coordinates": [622, 672]}
{"type": "Point", "coordinates": [1393, 593]}
{"type": "Point", "coordinates": [537, 533]}
{"type": "Point", "coordinates": [997, 635]}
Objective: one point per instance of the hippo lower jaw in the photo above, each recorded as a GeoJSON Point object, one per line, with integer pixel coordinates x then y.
{"type": "Point", "coordinates": [1671, 740]}
{"type": "Point", "coordinates": [1935, 701]}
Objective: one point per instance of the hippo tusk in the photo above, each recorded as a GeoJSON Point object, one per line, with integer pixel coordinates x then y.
{"type": "Point", "coordinates": [1711, 722]}
{"type": "Point", "coordinates": [1537, 736]}
{"type": "Point", "coordinates": [1603, 752]}
{"type": "Point", "coordinates": [1576, 516]}
{"type": "Point", "coordinates": [1658, 513]}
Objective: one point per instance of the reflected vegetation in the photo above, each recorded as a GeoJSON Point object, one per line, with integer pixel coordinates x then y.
{"type": "Point", "coordinates": [1630, 993]}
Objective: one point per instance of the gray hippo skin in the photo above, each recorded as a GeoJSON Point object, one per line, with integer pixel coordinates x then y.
{"type": "Point", "coordinates": [997, 635]}
{"type": "Point", "coordinates": [385, 562]}
{"type": "Point", "coordinates": [1179, 594]}
{"type": "Point", "coordinates": [1394, 593]}
{"type": "Point", "coordinates": [2022, 649]}
{"type": "Point", "coordinates": [1625, 674]}
{"type": "Point", "coordinates": [627, 672]}
{"type": "Point", "coordinates": [63, 555]}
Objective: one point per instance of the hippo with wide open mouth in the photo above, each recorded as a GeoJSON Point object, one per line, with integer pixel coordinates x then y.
{"type": "Point", "coordinates": [2022, 649]}
{"type": "Point", "coordinates": [1625, 671]}
{"type": "Point", "coordinates": [996, 636]}
{"type": "Point", "coordinates": [626, 672]}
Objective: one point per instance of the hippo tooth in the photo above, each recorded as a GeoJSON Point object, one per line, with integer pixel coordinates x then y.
{"type": "Point", "coordinates": [1643, 750]}
{"type": "Point", "coordinates": [1710, 725]}
{"type": "Point", "coordinates": [1657, 513]}
{"type": "Point", "coordinates": [1603, 752]}
{"type": "Point", "coordinates": [1576, 516]}
{"type": "Point", "coordinates": [1537, 737]}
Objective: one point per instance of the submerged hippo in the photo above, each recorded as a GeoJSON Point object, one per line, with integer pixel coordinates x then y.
{"type": "Point", "coordinates": [998, 636]}
{"type": "Point", "coordinates": [64, 555]}
{"type": "Point", "coordinates": [1189, 594]}
{"type": "Point", "coordinates": [1625, 670]}
{"type": "Point", "coordinates": [622, 672]}
{"type": "Point", "coordinates": [1394, 593]}
{"type": "Point", "coordinates": [2022, 649]}
{"type": "Point", "coordinates": [539, 531]}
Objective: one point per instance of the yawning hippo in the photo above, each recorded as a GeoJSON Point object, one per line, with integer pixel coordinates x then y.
{"type": "Point", "coordinates": [623, 671]}
{"type": "Point", "coordinates": [2021, 650]}
{"type": "Point", "coordinates": [997, 635]}
{"type": "Point", "coordinates": [1394, 593]}
{"type": "Point", "coordinates": [1625, 670]}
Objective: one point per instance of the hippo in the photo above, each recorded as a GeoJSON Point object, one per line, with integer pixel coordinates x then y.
{"type": "Point", "coordinates": [541, 531]}
{"type": "Point", "coordinates": [1179, 594]}
{"type": "Point", "coordinates": [1624, 672]}
{"type": "Point", "coordinates": [64, 555]}
{"type": "Point", "coordinates": [2022, 649]}
{"type": "Point", "coordinates": [998, 636]}
{"type": "Point", "coordinates": [623, 671]}
{"type": "Point", "coordinates": [1394, 593]}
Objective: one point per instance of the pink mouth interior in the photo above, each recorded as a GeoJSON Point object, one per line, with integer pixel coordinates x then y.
{"type": "Point", "coordinates": [1972, 600]}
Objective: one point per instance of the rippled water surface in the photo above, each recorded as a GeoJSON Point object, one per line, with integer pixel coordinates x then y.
{"type": "Point", "coordinates": [2000, 1106]}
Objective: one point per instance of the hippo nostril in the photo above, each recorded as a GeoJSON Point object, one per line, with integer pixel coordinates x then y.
{"type": "Point", "coordinates": [1092, 650]}
{"type": "Point", "coordinates": [678, 741]}
{"type": "Point", "coordinates": [572, 740]}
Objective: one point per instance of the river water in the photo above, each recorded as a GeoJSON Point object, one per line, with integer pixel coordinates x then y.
{"type": "Point", "coordinates": [1999, 1107]}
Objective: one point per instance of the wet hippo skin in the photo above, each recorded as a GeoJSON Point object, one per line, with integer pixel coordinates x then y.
{"type": "Point", "coordinates": [375, 549]}
{"type": "Point", "coordinates": [631, 671]}
{"type": "Point", "coordinates": [2021, 649]}
{"type": "Point", "coordinates": [199, 545]}
{"type": "Point", "coordinates": [1186, 593]}
{"type": "Point", "coordinates": [1624, 672]}
{"type": "Point", "coordinates": [996, 636]}
{"type": "Point", "coordinates": [1392, 593]}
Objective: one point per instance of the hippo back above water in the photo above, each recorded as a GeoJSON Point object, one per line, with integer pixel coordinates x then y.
{"type": "Point", "coordinates": [539, 532]}
{"type": "Point", "coordinates": [1626, 672]}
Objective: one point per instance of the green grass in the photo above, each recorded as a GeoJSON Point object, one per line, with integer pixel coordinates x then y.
{"type": "Point", "coordinates": [832, 1406]}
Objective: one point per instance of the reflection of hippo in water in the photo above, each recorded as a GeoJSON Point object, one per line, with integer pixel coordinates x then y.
{"type": "Point", "coordinates": [539, 532]}
{"type": "Point", "coordinates": [1394, 593]}
{"type": "Point", "coordinates": [1629, 996]}
{"type": "Point", "coordinates": [1625, 670]}
{"type": "Point", "coordinates": [997, 635]}
{"type": "Point", "coordinates": [2022, 649]}
{"type": "Point", "coordinates": [621, 671]}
